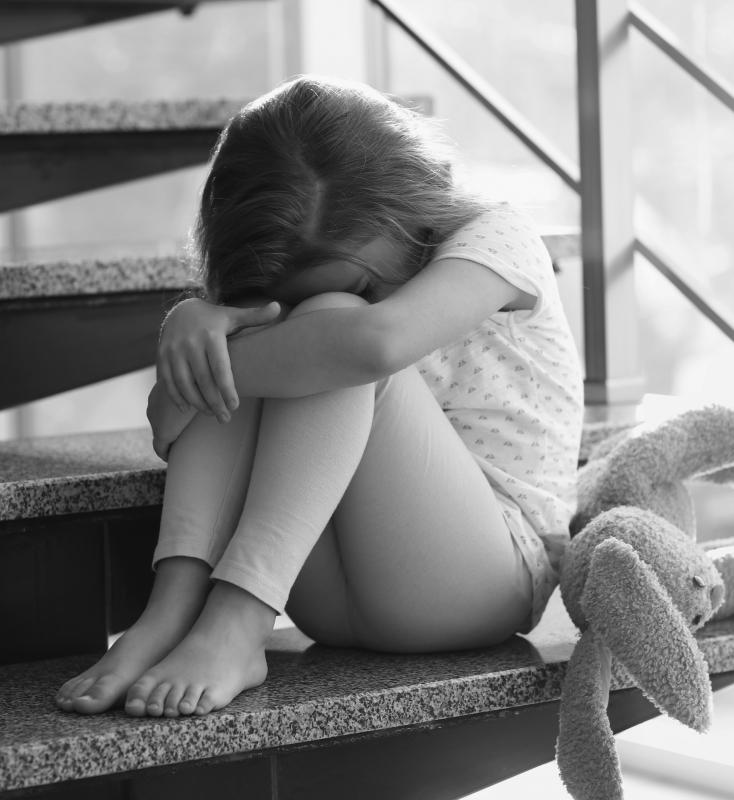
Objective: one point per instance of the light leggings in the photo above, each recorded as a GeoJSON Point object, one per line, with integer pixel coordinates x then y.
{"type": "Point", "coordinates": [358, 511]}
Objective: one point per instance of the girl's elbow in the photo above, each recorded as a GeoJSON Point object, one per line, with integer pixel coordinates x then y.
{"type": "Point", "coordinates": [386, 357]}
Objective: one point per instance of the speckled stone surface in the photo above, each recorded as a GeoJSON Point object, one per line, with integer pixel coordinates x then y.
{"type": "Point", "coordinates": [127, 274]}
{"type": "Point", "coordinates": [48, 475]}
{"type": "Point", "coordinates": [86, 117]}
{"type": "Point", "coordinates": [90, 276]}
{"type": "Point", "coordinates": [311, 693]}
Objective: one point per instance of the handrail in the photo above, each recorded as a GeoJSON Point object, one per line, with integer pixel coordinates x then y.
{"type": "Point", "coordinates": [718, 317]}
{"type": "Point", "coordinates": [546, 152]}
{"type": "Point", "coordinates": [492, 100]}
{"type": "Point", "coordinates": [652, 30]}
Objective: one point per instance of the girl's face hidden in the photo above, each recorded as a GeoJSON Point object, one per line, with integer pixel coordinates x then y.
{"type": "Point", "coordinates": [380, 253]}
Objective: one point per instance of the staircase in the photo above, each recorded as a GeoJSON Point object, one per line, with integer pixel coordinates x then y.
{"type": "Point", "coordinates": [79, 517]}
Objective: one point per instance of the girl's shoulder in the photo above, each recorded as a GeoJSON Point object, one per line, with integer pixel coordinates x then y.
{"type": "Point", "coordinates": [504, 239]}
{"type": "Point", "coordinates": [500, 230]}
{"type": "Point", "coordinates": [502, 218]}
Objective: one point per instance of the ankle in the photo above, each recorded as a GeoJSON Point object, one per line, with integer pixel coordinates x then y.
{"type": "Point", "coordinates": [180, 588]}
{"type": "Point", "coordinates": [243, 606]}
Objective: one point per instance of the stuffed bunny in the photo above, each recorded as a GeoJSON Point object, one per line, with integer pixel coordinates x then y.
{"type": "Point", "coordinates": [637, 586]}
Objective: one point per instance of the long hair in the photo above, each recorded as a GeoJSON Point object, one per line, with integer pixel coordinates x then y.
{"type": "Point", "coordinates": [311, 171]}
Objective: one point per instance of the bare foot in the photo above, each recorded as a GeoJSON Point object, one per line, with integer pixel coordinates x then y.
{"type": "Point", "coordinates": [178, 595]}
{"type": "Point", "coordinates": [223, 654]}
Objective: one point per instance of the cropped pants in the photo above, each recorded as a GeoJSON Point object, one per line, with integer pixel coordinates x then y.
{"type": "Point", "coordinates": [359, 512]}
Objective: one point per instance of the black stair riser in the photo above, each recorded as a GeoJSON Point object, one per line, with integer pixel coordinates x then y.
{"type": "Point", "coordinates": [37, 167]}
{"type": "Point", "coordinates": [67, 583]}
{"type": "Point", "coordinates": [25, 19]}
{"type": "Point", "coordinates": [51, 345]}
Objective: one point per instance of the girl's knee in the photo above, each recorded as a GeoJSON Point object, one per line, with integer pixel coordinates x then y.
{"type": "Point", "coordinates": [319, 302]}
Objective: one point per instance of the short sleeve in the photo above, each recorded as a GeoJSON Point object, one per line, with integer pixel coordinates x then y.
{"type": "Point", "coordinates": [506, 241]}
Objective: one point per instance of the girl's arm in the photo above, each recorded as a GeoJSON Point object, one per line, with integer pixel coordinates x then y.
{"type": "Point", "coordinates": [167, 421]}
{"type": "Point", "coordinates": [333, 348]}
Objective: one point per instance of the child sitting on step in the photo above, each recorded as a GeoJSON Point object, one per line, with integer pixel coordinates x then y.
{"type": "Point", "coordinates": [371, 419]}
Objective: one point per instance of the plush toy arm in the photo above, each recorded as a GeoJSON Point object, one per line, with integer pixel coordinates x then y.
{"type": "Point", "coordinates": [725, 475]}
{"type": "Point", "coordinates": [632, 613]}
{"type": "Point", "coordinates": [587, 759]}
{"type": "Point", "coordinates": [695, 442]}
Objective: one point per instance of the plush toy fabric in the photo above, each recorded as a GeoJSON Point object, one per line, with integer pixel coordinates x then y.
{"type": "Point", "coordinates": [637, 585]}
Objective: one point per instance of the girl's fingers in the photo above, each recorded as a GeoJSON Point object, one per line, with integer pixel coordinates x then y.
{"type": "Point", "coordinates": [207, 387]}
{"type": "Point", "coordinates": [187, 385]}
{"type": "Point", "coordinates": [221, 369]}
{"type": "Point", "coordinates": [163, 370]}
{"type": "Point", "coordinates": [247, 317]}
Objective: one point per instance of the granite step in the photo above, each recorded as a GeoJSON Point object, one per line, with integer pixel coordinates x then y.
{"type": "Point", "coordinates": [53, 150]}
{"type": "Point", "coordinates": [25, 19]}
{"type": "Point", "coordinates": [49, 476]}
{"type": "Point", "coordinates": [320, 707]}
{"type": "Point", "coordinates": [83, 277]}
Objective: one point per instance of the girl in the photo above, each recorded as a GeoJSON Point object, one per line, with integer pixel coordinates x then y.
{"type": "Point", "coordinates": [390, 410]}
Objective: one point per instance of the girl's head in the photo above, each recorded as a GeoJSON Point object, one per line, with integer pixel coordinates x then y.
{"type": "Point", "coordinates": [320, 173]}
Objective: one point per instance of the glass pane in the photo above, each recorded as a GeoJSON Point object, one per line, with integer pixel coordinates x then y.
{"type": "Point", "coordinates": [683, 353]}
{"type": "Point", "coordinates": [526, 50]}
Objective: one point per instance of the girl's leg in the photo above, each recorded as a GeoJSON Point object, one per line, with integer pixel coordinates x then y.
{"type": "Point", "coordinates": [201, 506]}
{"type": "Point", "coordinates": [417, 556]}
{"type": "Point", "coordinates": [309, 451]}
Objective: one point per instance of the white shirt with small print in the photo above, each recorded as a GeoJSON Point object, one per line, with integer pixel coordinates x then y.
{"type": "Point", "coordinates": [513, 390]}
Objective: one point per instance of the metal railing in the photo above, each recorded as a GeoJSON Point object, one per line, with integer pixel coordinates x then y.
{"type": "Point", "coordinates": [516, 123]}
{"type": "Point", "coordinates": [655, 33]}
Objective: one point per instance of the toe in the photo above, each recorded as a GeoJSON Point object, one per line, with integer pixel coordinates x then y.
{"type": "Point", "coordinates": [64, 693]}
{"type": "Point", "coordinates": [205, 704]}
{"type": "Point", "coordinates": [81, 687]}
{"type": "Point", "coordinates": [190, 700]}
{"type": "Point", "coordinates": [100, 695]}
{"type": "Point", "coordinates": [170, 708]}
{"type": "Point", "coordinates": [64, 703]}
{"type": "Point", "coordinates": [138, 694]}
{"type": "Point", "coordinates": [157, 698]}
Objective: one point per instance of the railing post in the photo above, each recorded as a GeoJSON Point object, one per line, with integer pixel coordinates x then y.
{"type": "Point", "coordinates": [607, 240]}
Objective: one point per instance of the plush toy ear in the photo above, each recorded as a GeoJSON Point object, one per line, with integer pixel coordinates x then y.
{"type": "Point", "coordinates": [631, 612]}
{"type": "Point", "coordinates": [585, 752]}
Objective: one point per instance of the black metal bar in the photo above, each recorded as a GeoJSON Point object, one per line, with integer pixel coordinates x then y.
{"type": "Point", "coordinates": [718, 317]}
{"type": "Point", "coordinates": [652, 30]}
{"type": "Point", "coordinates": [607, 240]}
{"type": "Point", "coordinates": [487, 96]}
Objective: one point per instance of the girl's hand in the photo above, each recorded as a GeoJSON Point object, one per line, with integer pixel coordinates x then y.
{"type": "Point", "coordinates": [193, 359]}
{"type": "Point", "coordinates": [166, 420]}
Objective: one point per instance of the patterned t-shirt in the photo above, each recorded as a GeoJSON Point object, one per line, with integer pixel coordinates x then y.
{"type": "Point", "coordinates": [513, 390]}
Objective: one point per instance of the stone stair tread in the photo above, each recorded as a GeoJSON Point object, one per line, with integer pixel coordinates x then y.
{"type": "Point", "coordinates": [90, 276]}
{"type": "Point", "coordinates": [84, 472]}
{"type": "Point", "coordinates": [77, 473]}
{"type": "Point", "coordinates": [312, 692]}
{"type": "Point", "coordinates": [35, 278]}
{"type": "Point", "coordinates": [117, 115]}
